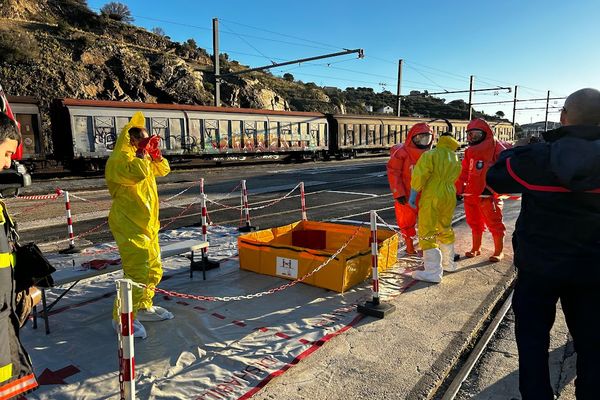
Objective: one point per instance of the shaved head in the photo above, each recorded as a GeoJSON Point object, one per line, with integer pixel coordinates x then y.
{"type": "Point", "coordinates": [582, 108]}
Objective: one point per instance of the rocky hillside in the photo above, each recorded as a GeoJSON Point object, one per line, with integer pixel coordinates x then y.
{"type": "Point", "coordinates": [60, 48]}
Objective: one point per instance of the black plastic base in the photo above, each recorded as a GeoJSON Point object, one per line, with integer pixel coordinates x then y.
{"type": "Point", "coordinates": [70, 250]}
{"type": "Point", "coordinates": [247, 228]}
{"type": "Point", "coordinates": [204, 265]}
{"type": "Point", "coordinates": [376, 310]}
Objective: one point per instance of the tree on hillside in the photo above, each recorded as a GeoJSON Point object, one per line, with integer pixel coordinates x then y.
{"type": "Point", "coordinates": [288, 77]}
{"type": "Point", "coordinates": [500, 114]}
{"type": "Point", "coordinates": [117, 11]}
{"type": "Point", "coordinates": [159, 31]}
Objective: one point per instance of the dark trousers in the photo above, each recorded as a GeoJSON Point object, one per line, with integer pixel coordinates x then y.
{"type": "Point", "coordinates": [534, 305]}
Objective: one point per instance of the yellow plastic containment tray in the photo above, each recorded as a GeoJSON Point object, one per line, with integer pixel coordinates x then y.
{"type": "Point", "coordinates": [294, 250]}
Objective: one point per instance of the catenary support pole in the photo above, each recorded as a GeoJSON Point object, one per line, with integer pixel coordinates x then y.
{"type": "Point", "coordinates": [398, 89]}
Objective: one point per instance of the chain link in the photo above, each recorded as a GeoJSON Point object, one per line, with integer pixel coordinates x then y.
{"type": "Point", "coordinates": [276, 200]}
{"type": "Point", "coordinates": [253, 295]}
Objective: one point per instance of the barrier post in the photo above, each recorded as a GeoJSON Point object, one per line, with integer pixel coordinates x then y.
{"type": "Point", "coordinates": [303, 201]}
{"type": "Point", "coordinates": [71, 249]}
{"type": "Point", "coordinates": [247, 227]}
{"type": "Point", "coordinates": [375, 307]}
{"type": "Point", "coordinates": [125, 337]}
{"type": "Point", "coordinates": [204, 264]}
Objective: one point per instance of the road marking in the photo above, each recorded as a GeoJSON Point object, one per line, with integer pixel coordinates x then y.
{"type": "Point", "coordinates": [356, 193]}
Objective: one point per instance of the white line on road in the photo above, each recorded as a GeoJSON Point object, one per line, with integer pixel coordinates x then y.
{"type": "Point", "coordinates": [356, 193]}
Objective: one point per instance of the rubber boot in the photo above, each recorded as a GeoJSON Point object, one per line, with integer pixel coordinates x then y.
{"type": "Point", "coordinates": [433, 267]}
{"type": "Point", "coordinates": [410, 247]}
{"type": "Point", "coordinates": [448, 263]}
{"type": "Point", "coordinates": [476, 248]}
{"type": "Point", "coordinates": [498, 247]}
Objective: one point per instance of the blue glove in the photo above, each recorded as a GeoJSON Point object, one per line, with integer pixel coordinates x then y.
{"type": "Point", "coordinates": [412, 199]}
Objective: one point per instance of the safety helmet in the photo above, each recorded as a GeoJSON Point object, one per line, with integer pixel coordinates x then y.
{"type": "Point", "coordinates": [477, 131]}
{"type": "Point", "coordinates": [420, 135]}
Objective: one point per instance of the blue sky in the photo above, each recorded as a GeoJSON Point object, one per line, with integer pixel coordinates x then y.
{"type": "Point", "coordinates": [537, 45]}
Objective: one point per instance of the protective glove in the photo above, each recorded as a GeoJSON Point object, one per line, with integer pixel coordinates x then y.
{"type": "Point", "coordinates": [401, 200]}
{"type": "Point", "coordinates": [142, 148]}
{"type": "Point", "coordinates": [412, 199]}
{"type": "Point", "coordinates": [153, 149]}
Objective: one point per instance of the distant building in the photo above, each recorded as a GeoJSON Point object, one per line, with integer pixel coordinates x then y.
{"type": "Point", "coordinates": [385, 110]}
{"type": "Point", "coordinates": [369, 109]}
{"type": "Point", "coordinates": [537, 128]}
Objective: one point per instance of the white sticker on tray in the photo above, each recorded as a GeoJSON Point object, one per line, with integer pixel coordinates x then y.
{"type": "Point", "coordinates": [287, 267]}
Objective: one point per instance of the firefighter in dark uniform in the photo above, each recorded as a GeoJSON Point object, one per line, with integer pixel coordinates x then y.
{"type": "Point", "coordinates": [16, 371]}
{"type": "Point", "coordinates": [557, 243]}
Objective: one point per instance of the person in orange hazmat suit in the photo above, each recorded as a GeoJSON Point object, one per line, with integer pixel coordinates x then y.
{"type": "Point", "coordinates": [482, 206]}
{"type": "Point", "coordinates": [434, 176]}
{"type": "Point", "coordinates": [403, 158]}
{"type": "Point", "coordinates": [133, 219]}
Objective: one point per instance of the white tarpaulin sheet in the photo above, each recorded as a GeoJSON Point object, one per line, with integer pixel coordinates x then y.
{"type": "Point", "coordinates": [210, 350]}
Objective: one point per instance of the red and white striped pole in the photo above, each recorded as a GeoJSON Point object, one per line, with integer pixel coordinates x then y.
{"type": "Point", "coordinates": [303, 201]}
{"type": "Point", "coordinates": [69, 220]}
{"type": "Point", "coordinates": [374, 256]}
{"type": "Point", "coordinates": [125, 337]}
{"type": "Point", "coordinates": [204, 224]}
{"type": "Point", "coordinates": [375, 308]}
{"type": "Point", "coordinates": [202, 186]}
{"type": "Point", "coordinates": [71, 248]}
{"type": "Point", "coordinates": [245, 197]}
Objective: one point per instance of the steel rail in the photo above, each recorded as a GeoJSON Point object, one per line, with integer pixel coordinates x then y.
{"type": "Point", "coordinates": [477, 351]}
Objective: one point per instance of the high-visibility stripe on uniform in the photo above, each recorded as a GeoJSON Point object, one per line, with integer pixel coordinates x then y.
{"type": "Point", "coordinates": [19, 386]}
{"type": "Point", "coordinates": [5, 372]}
{"type": "Point", "coordinates": [6, 260]}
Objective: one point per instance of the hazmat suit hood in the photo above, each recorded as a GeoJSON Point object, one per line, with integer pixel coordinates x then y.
{"type": "Point", "coordinates": [575, 157]}
{"type": "Point", "coordinates": [448, 142]}
{"type": "Point", "coordinates": [488, 140]}
{"type": "Point", "coordinates": [123, 141]}
{"type": "Point", "coordinates": [415, 130]}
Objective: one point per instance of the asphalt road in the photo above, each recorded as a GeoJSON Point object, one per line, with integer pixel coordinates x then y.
{"type": "Point", "coordinates": [334, 190]}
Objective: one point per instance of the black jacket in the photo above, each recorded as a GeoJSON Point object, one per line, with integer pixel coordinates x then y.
{"type": "Point", "coordinates": [16, 371]}
{"type": "Point", "coordinates": [558, 230]}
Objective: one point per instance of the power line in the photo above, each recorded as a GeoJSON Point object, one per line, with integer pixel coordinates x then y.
{"type": "Point", "coordinates": [285, 35]}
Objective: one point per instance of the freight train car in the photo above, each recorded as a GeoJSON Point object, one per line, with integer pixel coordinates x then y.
{"type": "Point", "coordinates": [350, 135]}
{"type": "Point", "coordinates": [27, 112]}
{"type": "Point", "coordinates": [85, 131]}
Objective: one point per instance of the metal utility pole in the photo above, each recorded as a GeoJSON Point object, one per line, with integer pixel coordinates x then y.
{"type": "Point", "coordinates": [547, 105]}
{"type": "Point", "coordinates": [217, 70]}
{"type": "Point", "coordinates": [471, 97]}
{"type": "Point", "coordinates": [515, 107]}
{"type": "Point", "coordinates": [399, 84]}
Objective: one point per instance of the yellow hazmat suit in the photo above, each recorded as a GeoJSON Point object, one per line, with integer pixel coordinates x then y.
{"type": "Point", "coordinates": [434, 176]}
{"type": "Point", "coordinates": [133, 217]}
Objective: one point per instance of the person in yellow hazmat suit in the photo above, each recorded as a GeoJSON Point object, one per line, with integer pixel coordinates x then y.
{"type": "Point", "coordinates": [133, 219]}
{"type": "Point", "coordinates": [434, 176]}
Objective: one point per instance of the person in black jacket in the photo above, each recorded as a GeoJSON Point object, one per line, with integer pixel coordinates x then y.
{"type": "Point", "coordinates": [557, 243]}
{"type": "Point", "coordinates": [16, 371]}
